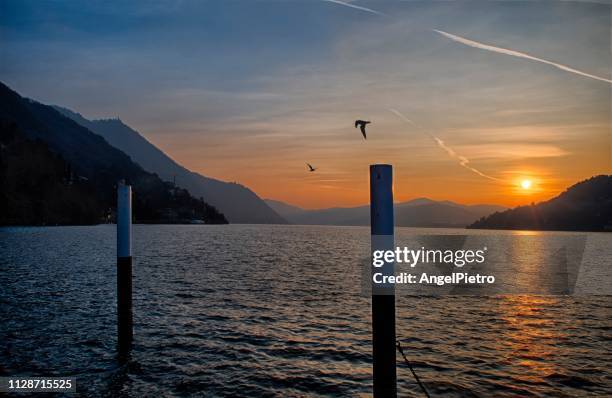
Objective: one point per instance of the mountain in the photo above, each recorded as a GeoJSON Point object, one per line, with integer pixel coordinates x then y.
{"type": "Point", "coordinates": [282, 208]}
{"type": "Point", "coordinates": [39, 187]}
{"type": "Point", "coordinates": [585, 206]}
{"type": "Point", "coordinates": [237, 202]}
{"type": "Point", "coordinates": [92, 161]}
{"type": "Point", "coordinates": [420, 212]}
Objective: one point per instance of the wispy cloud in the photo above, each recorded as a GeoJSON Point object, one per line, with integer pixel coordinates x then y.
{"type": "Point", "coordinates": [518, 54]}
{"type": "Point", "coordinates": [463, 161]}
{"type": "Point", "coordinates": [347, 4]}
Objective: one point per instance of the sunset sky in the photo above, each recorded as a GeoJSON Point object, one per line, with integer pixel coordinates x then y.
{"type": "Point", "coordinates": [249, 91]}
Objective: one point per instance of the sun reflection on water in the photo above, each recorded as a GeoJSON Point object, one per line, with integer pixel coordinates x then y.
{"type": "Point", "coordinates": [529, 340]}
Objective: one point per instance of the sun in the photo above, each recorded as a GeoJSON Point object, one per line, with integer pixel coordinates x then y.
{"type": "Point", "coordinates": [526, 184]}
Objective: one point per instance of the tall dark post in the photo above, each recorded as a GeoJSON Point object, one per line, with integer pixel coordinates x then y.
{"type": "Point", "coordinates": [383, 296]}
{"type": "Point", "coordinates": [124, 266]}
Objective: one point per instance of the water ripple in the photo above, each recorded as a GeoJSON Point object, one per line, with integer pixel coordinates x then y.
{"type": "Point", "coordinates": [274, 311]}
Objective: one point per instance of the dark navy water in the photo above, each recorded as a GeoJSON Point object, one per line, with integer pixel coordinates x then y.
{"type": "Point", "coordinates": [277, 311]}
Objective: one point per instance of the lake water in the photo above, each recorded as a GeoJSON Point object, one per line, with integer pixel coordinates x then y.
{"type": "Point", "coordinates": [245, 310]}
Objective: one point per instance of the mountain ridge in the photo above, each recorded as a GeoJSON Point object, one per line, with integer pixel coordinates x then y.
{"type": "Point", "coordinates": [91, 158]}
{"type": "Point", "coordinates": [584, 206]}
{"type": "Point", "coordinates": [237, 202]}
{"type": "Point", "coordinates": [418, 212]}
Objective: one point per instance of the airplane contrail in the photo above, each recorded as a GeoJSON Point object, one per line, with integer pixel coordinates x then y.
{"type": "Point", "coordinates": [519, 54]}
{"type": "Point", "coordinates": [463, 161]}
{"type": "Point", "coordinates": [343, 3]}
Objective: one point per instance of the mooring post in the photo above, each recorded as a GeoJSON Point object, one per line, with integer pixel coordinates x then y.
{"type": "Point", "coordinates": [124, 266]}
{"type": "Point", "coordinates": [383, 296]}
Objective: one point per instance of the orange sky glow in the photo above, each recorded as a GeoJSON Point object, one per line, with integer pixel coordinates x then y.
{"type": "Point", "coordinates": [466, 100]}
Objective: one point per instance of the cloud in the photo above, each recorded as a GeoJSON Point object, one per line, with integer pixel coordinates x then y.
{"type": "Point", "coordinates": [514, 151]}
{"type": "Point", "coordinates": [346, 4]}
{"type": "Point", "coordinates": [463, 161]}
{"type": "Point", "coordinates": [518, 54]}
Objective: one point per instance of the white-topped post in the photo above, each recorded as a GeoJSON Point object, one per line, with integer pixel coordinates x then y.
{"type": "Point", "coordinates": [383, 296]}
{"type": "Point", "coordinates": [124, 266]}
{"type": "Point", "coordinates": [124, 220]}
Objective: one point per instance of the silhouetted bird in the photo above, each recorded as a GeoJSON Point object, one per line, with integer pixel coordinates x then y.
{"type": "Point", "coordinates": [362, 125]}
{"type": "Point", "coordinates": [310, 167]}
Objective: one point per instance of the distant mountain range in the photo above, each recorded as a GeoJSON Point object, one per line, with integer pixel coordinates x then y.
{"type": "Point", "coordinates": [57, 167]}
{"type": "Point", "coordinates": [237, 202]}
{"type": "Point", "coordinates": [55, 171]}
{"type": "Point", "coordinates": [420, 212]}
{"type": "Point", "coordinates": [585, 206]}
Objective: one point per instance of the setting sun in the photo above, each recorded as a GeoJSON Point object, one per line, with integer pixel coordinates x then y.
{"type": "Point", "coordinates": [526, 184]}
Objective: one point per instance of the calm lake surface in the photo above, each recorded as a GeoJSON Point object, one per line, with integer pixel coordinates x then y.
{"type": "Point", "coordinates": [244, 310]}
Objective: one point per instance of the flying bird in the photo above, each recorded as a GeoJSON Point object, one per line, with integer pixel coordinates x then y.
{"type": "Point", "coordinates": [362, 125]}
{"type": "Point", "coordinates": [310, 168]}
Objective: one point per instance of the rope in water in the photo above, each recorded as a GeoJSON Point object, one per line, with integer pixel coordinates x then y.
{"type": "Point", "coordinates": [399, 348]}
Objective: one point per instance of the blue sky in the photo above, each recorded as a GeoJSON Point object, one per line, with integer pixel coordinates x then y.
{"type": "Point", "coordinates": [246, 90]}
